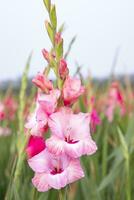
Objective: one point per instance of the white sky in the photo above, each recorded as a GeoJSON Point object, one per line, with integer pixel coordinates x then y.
{"type": "Point", "coordinates": [100, 25]}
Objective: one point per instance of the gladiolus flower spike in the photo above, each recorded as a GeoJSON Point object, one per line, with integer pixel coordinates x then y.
{"type": "Point", "coordinates": [56, 160]}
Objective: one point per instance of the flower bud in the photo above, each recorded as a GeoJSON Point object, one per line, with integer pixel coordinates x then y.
{"type": "Point", "coordinates": [58, 38]}
{"type": "Point", "coordinates": [63, 69]}
{"type": "Point", "coordinates": [45, 54]}
{"type": "Point", "coordinates": [41, 81]}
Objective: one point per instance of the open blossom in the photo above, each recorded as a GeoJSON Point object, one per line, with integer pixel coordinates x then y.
{"type": "Point", "coordinates": [37, 122]}
{"type": "Point", "coordinates": [48, 102]}
{"type": "Point", "coordinates": [72, 89]}
{"type": "Point", "coordinates": [41, 81]}
{"type": "Point", "coordinates": [46, 105]}
{"type": "Point", "coordinates": [70, 134]}
{"type": "Point", "coordinates": [35, 146]}
{"type": "Point", "coordinates": [54, 171]}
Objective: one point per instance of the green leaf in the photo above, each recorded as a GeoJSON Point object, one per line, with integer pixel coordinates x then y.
{"type": "Point", "coordinates": [53, 17]}
{"type": "Point", "coordinates": [59, 50]}
{"type": "Point", "coordinates": [61, 28]}
{"type": "Point", "coordinates": [123, 144]}
{"type": "Point", "coordinates": [47, 4]}
{"type": "Point", "coordinates": [22, 95]}
{"type": "Point", "coordinates": [50, 31]}
{"type": "Point", "coordinates": [70, 47]}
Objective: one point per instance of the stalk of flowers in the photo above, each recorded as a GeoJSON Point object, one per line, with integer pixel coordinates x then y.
{"type": "Point", "coordinates": [56, 160]}
{"type": "Point", "coordinates": [90, 103]}
{"type": "Point", "coordinates": [8, 107]}
{"type": "Point", "coordinates": [115, 101]}
{"type": "Point", "coordinates": [95, 118]}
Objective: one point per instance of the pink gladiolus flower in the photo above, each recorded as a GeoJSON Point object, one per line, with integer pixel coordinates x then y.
{"type": "Point", "coordinates": [70, 134]}
{"type": "Point", "coordinates": [48, 102]}
{"type": "Point", "coordinates": [35, 146]}
{"type": "Point", "coordinates": [41, 81]}
{"type": "Point", "coordinates": [37, 122]}
{"type": "Point", "coordinates": [72, 89]}
{"type": "Point", "coordinates": [95, 119]}
{"type": "Point", "coordinates": [2, 113]}
{"type": "Point", "coordinates": [54, 171]}
{"type": "Point", "coordinates": [115, 100]}
{"type": "Point", "coordinates": [10, 107]}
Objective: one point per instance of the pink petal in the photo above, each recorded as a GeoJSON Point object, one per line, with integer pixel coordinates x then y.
{"type": "Point", "coordinates": [40, 182]}
{"type": "Point", "coordinates": [39, 163]}
{"type": "Point", "coordinates": [74, 171]}
{"type": "Point", "coordinates": [83, 147]}
{"type": "Point", "coordinates": [58, 181]}
{"type": "Point", "coordinates": [57, 123]}
{"type": "Point", "coordinates": [55, 145]}
{"type": "Point", "coordinates": [35, 146]}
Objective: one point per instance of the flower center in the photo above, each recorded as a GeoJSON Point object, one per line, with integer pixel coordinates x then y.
{"type": "Point", "coordinates": [56, 171]}
{"type": "Point", "coordinates": [69, 140]}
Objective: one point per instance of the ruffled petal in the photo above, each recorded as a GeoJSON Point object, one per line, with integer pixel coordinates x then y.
{"type": "Point", "coordinates": [58, 181]}
{"type": "Point", "coordinates": [55, 145]}
{"type": "Point", "coordinates": [74, 171]}
{"type": "Point", "coordinates": [40, 162]}
{"type": "Point", "coordinates": [40, 182]}
{"type": "Point", "coordinates": [83, 147]}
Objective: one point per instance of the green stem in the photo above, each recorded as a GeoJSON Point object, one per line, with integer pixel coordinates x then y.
{"type": "Point", "coordinates": [128, 183]}
{"type": "Point", "coordinates": [62, 194]}
{"type": "Point", "coordinates": [104, 153]}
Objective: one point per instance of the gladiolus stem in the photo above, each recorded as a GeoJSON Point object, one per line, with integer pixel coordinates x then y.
{"type": "Point", "coordinates": [128, 183]}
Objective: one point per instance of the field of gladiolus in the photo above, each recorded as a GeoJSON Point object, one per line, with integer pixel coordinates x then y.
{"type": "Point", "coordinates": [69, 138]}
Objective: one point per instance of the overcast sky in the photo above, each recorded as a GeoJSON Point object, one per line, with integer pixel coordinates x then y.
{"type": "Point", "coordinates": [101, 27]}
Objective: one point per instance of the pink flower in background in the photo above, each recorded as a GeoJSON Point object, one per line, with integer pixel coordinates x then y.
{"type": "Point", "coordinates": [35, 146]}
{"type": "Point", "coordinates": [5, 131]}
{"type": "Point", "coordinates": [10, 107]}
{"type": "Point", "coordinates": [2, 111]}
{"type": "Point", "coordinates": [110, 113]}
{"type": "Point", "coordinates": [95, 119]}
{"type": "Point", "coordinates": [115, 100]}
{"type": "Point", "coordinates": [54, 171]}
{"type": "Point", "coordinates": [70, 134]}
{"type": "Point", "coordinates": [63, 70]}
{"type": "Point", "coordinates": [72, 89]}
{"type": "Point", "coordinates": [41, 81]}
{"type": "Point", "coordinates": [37, 122]}
{"type": "Point", "coordinates": [48, 102]}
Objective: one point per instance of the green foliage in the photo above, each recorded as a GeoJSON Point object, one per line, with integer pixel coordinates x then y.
{"type": "Point", "coordinates": [59, 50]}
{"type": "Point", "coordinates": [47, 4]}
{"type": "Point", "coordinates": [50, 31]}
{"type": "Point", "coordinates": [53, 17]}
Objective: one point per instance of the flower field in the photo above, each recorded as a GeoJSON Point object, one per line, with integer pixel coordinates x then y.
{"type": "Point", "coordinates": [69, 138]}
